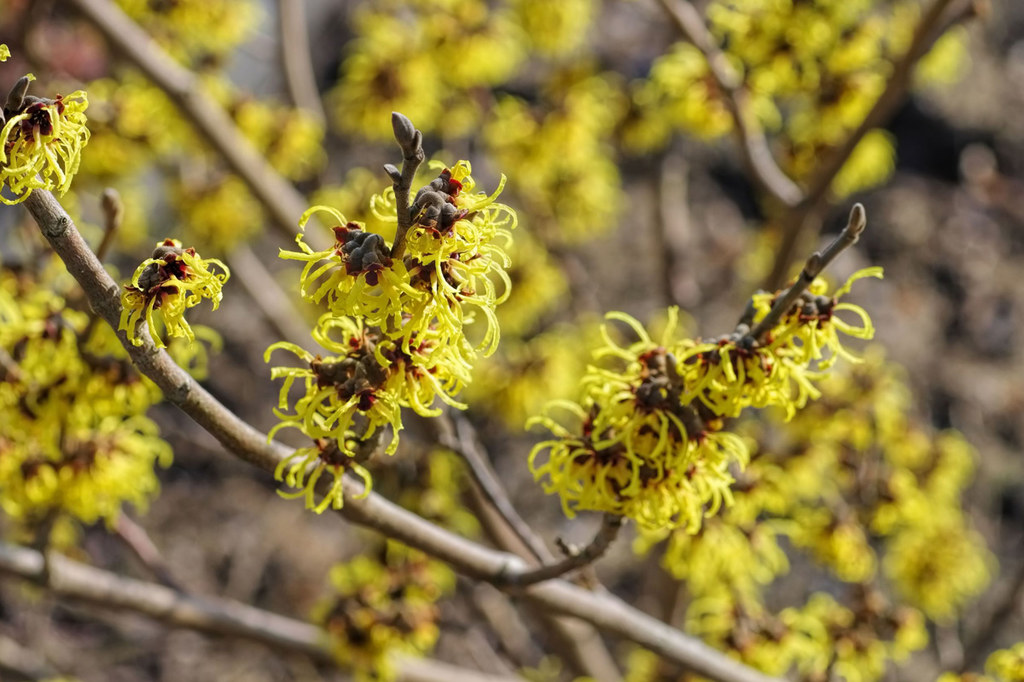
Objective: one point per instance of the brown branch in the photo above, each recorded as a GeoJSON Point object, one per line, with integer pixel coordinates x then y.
{"type": "Point", "coordinates": [281, 200]}
{"type": "Point", "coordinates": [752, 141]}
{"type": "Point", "coordinates": [113, 214]}
{"type": "Point", "coordinates": [212, 615]}
{"type": "Point", "coordinates": [456, 433]}
{"type": "Point", "coordinates": [279, 312]}
{"type": "Point", "coordinates": [935, 22]}
{"type": "Point", "coordinates": [577, 558]}
{"type": "Point", "coordinates": [372, 511]}
{"type": "Point", "coordinates": [22, 662]}
{"type": "Point", "coordinates": [145, 550]}
{"type": "Point", "coordinates": [817, 262]}
{"type": "Point", "coordinates": [410, 141]}
{"type": "Point", "coordinates": [296, 58]}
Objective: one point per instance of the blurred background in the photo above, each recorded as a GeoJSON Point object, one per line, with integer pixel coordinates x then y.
{"type": "Point", "coordinates": [631, 195]}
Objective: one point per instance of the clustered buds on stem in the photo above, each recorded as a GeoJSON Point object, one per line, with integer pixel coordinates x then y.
{"type": "Point", "coordinates": [649, 440]}
{"type": "Point", "coordinates": [397, 316]}
{"type": "Point", "coordinates": [170, 282]}
{"type": "Point", "coordinates": [41, 141]}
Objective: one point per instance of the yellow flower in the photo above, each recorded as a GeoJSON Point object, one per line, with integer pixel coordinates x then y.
{"type": "Point", "coordinates": [304, 467]}
{"type": "Point", "coordinates": [169, 283]}
{"type": "Point", "coordinates": [41, 143]}
{"type": "Point", "coordinates": [383, 605]}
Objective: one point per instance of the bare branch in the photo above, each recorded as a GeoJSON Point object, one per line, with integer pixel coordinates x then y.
{"type": "Point", "coordinates": [817, 262]}
{"type": "Point", "coordinates": [278, 310]}
{"type": "Point", "coordinates": [113, 214]}
{"type": "Point", "coordinates": [460, 437]}
{"type": "Point", "coordinates": [280, 199]}
{"type": "Point", "coordinates": [752, 140]}
{"type": "Point", "coordinates": [213, 615]}
{"type": "Point", "coordinates": [577, 558]}
{"type": "Point", "coordinates": [296, 58]}
{"type": "Point", "coordinates": [372, 511]}
{"type": "Point", "coordinates": [796, 222]}
{"type": "Point", "coordinates": [138, 540]}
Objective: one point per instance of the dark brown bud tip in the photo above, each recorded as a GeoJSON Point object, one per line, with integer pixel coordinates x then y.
{"type": "Point", "coordinates": [405, 131]}
{"type": "Point", "coordinates": [16, 97]}
{"type": "Point", "coordinates": [111, 202]}
{"type": "Point", "coordinates": [858, 220]}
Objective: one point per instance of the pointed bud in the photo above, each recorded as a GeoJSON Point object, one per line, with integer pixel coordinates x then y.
{"type": "Point", "coordinates": [16, 97]}
{"type": "Point", "coordinates": [393, 172]}
{"type": "Point", "coordinates": [858, 220]}
{"type": "Point", "coordinates": [405, 131]}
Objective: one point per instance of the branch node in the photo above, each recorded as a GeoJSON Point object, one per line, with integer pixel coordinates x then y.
{"type": "Point", "coordinates": [393, 173]}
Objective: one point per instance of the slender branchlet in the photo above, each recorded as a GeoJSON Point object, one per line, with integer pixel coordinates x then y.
{"type": "Point", "coordinates": [113, 214]}
{"type": "Point", "coordinates": [456, 433]}
{"type": "Point", "coordinates": [817, 262]}
{"type": "Point", "coordinates": [411, 142]}
{"type": "Point", "coordinates": [576, 558]}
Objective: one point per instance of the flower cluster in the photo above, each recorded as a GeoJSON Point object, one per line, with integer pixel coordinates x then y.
{"type": "Point", "coordinates": [558, 148]}
{"type": "Point", "coordinates": [648, 438]}
{"type": "Point", "coordinates": [405, 60]}
{"type": "Point", "coordinates": [170, 282]}
{"type": "Point", "coordinates": [382, 606]}
{"type": "Point", "coordinates": [1004, 665]}
{"type": "Point", "coordinates": [859, 487]}
{"type": "Point", "coordinates": [41, 141]}
{"type": "Point", "coordinates": [397, 325]}
{"type": "Point", "coordinates": [75, 442]}
{"type": "Point", "coordinates": [196, 31]}
{"type": "Point", "coordinates": [812, 71]}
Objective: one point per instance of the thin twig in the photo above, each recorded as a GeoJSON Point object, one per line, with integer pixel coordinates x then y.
{"type": "Point", "coordinates": [371, 510]}
{"type": "Point", "coordinates": [578, 643]}
{"type": "Point", "coordinates": [818, 261]}
{"type": "Point", "coordinates": [935, 22]}
{"type": "Point", "coordinates": [410, 140]}
{"type": "Point", "coordinates": [205, 614]}
{"type": "Point", "coordinates": [296, 58]}
{"type": "Point", "coordinates": [138, 540]}
{"type": "Point", "coordinates": [23, 663]}
{"type": "Point", "coordinates": [752, 140]}
{"type": "Point", "coordinates": [281, 200]}
{"type": "Point", "coordinates": [460, 437]}
{"type": "Point", "coordinates": [279, 311]}
{"type": "Point", "coordinates": [672, 228]}
{"type": "Point", "coordinates": [577, 558]}
{"type": "Point", "coordinates": [113, 214]}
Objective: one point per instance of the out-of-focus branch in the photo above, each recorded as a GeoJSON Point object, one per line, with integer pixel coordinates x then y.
{"type": "Point", "coordinates": [138, 540]}
{"type": "Point", "coordinates": [278, 310]}
{"type": "Point", "coordinates": [932, 26]}
{"type": "Point", "coordinates": [296, 58]}
{"type": "Point", "coordinates": [752, 140]}
{"type": "Point", "coordinates": [281, 200]}
{"type": "Point", "coordinates": [69, 578]}
{"type": "Point", "coordinates": [796, 222]}
{"type": "Point", "coordinates": [610, 526]}
{"type": "Point", "coordinates": [372, 511]}
{"type": "Point", "coordinates": [579, 642]}
{"type": "Point", "coordinates": [113, 214]}
{"type": "Point", "coordinates": [456, 433]}
{"type": "Point", "coordinates": [22, 662]}
{"type": "Point", "coordinates": [410, 141]}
